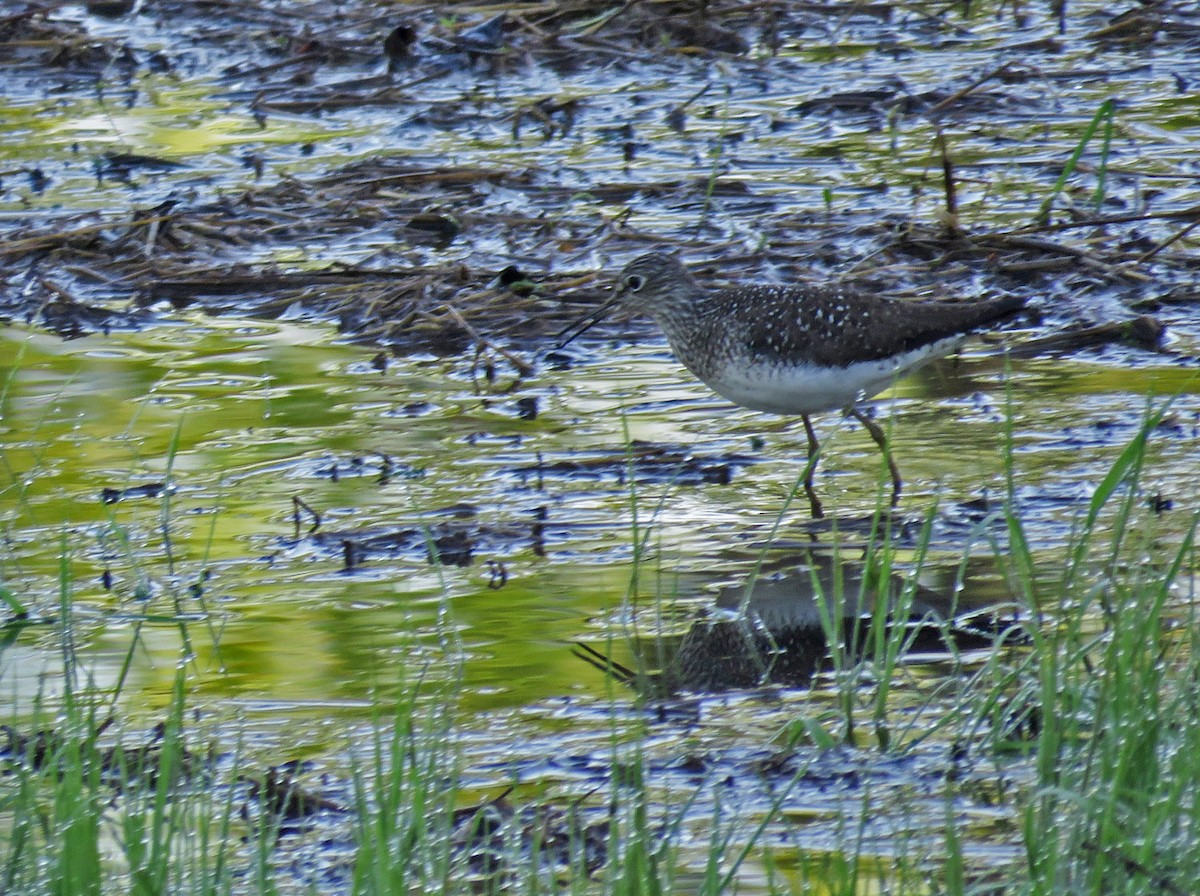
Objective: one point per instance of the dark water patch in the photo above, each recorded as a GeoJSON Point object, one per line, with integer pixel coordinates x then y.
{"type": "Point", "coordinates": [644, 461]}
{"type": "Point", "coordinates": [450, 544]}
{"type": "Point", "coordinates": [381, 468]}
{"type": "Point", "coordinates": [149, 490]}
{"type": "Point", "coordinates": [121, 767]}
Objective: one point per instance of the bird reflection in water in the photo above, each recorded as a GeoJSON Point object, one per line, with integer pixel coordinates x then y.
{"type": "Point", "coordinates": [775, 632]}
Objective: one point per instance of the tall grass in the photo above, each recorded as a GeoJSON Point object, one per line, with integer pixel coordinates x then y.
{"type": "Point", "coordinates": [404, 802]}
{"type": "Point", "coordinates": [1113, 694]}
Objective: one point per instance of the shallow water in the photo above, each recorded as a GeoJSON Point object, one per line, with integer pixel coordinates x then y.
{"type": "Point", "coordinates": [240, 418]}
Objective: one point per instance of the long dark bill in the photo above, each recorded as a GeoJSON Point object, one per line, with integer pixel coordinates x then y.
{"type": "Point", "coordinates": [573, 331]}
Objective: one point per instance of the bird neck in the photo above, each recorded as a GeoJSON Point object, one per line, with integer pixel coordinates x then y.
{"type": "Point", "coordinates": [695, 326]}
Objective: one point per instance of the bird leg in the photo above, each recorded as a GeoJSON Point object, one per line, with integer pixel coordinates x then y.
{"type": "Point", "coordinates": [814, 502]}
{"type": "Point", "coordinates": [881, 440]}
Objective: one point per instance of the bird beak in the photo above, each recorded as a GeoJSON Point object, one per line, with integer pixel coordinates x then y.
{"type": "Point", "coordinates": [574, 330]}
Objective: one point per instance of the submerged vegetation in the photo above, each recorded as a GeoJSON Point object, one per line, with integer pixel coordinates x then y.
{"type": "Point", "coordinates": [322, 573]}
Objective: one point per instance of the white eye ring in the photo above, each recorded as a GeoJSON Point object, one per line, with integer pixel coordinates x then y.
{"type": "Point", "coordinates": [634, 282]}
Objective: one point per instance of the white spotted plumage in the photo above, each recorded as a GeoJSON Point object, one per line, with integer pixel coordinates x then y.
{"type": "Point", "coordinates": [794, 349]}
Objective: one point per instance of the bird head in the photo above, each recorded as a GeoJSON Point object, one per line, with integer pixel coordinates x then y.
{"type": "Point", "coordinates": [655, 284]}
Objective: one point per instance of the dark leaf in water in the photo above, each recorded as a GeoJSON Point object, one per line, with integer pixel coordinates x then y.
{"type": "Point", "coordinates": [282, 796]}
{"type": "Point", "coordinates": [704, 34]}
{"type": "Point", "coordinates": [109, 9]}
{"type": "Point", "coordinates": [486, 37]}
{"type": "Point", "coordinates": [397, 46]}
{"type": "Point", "coordinates": [527, 408]}
{"type": "Point", "coordinates": [113, 495]}
{"type": "Point", "coordinates": [443, 226]}
{"type": "Point", "coordinates": [516, 280]}
{"type": "Point", "coordinates": [121, 164]}
{"type": "Point", "coordinates": [159, 63]}
{"type": "Point", "coordinates": [452, 549]}
{"type": "Point", "coordinates": [510, 275]}
{"type": "Point", "coordinates": [1158, 504]}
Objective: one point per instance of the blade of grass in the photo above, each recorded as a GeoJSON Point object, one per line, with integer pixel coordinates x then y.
{"type": "Point", "coordinates": [1103, 114]}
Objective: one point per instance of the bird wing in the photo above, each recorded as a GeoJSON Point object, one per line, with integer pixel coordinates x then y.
{"type": "Point", "coordinates": [828, 324]}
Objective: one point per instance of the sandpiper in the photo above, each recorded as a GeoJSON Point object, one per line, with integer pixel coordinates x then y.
{"type": "Point", "coordinates": [795, 348]}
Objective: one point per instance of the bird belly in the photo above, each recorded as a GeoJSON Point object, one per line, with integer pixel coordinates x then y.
{"type": "Point", "coordinates": [807, 388]}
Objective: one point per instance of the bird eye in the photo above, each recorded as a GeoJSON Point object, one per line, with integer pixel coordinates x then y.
{"type": "Point", "coordinates": [634, 282]}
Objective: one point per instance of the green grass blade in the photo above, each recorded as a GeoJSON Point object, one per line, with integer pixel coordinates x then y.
{"type": "Point", "coordinates": [1104, 113]}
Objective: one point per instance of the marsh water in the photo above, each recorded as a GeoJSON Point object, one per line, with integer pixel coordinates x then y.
{"type": "Point", "coordinates": [308, 523]}
{"type": "Point", "coordinates": [236, 419]}
{"type": "Point", "coordinates": [162, 468]}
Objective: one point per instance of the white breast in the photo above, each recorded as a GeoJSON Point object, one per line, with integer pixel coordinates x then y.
{"type": "Point", "coordinates": [810, 389]}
